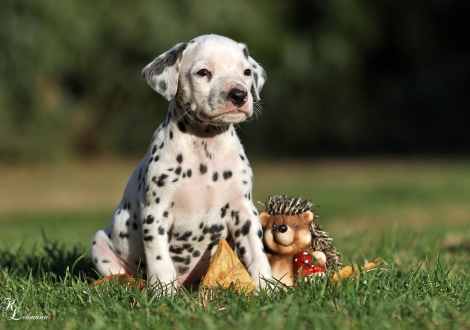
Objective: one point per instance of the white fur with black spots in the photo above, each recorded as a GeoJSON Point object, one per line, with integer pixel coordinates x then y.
{"type": "Point", "coordinates": [194, 185]}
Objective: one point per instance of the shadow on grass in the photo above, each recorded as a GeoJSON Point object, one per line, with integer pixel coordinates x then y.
{"type": "Point", "coordinates": [49, 258]}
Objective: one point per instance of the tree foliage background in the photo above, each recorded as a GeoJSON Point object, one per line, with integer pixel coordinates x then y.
{"type": "Point", "coordinates": [345, 77]}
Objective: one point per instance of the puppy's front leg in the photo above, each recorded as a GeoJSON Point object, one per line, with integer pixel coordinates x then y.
{"type": "Point", "coordinates": [156, 235]}
{"type": "Point", "coordinates": [245, 228]}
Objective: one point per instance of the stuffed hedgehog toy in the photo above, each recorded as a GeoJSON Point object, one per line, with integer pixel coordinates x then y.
{"type": "Point", "coordinates": [294, 240]}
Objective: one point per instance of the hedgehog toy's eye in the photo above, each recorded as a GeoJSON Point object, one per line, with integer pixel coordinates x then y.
{"type": "Point", "coordinates": [274, 225]}
{"type": "Point", "coordinates": [296, 225]}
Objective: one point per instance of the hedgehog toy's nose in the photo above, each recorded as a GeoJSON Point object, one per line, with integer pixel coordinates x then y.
{"type": "Point", "coordinates": [282, 228]}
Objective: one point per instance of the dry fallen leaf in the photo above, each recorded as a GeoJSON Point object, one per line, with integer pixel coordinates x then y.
{"type": "Point", "coordinates": [226, 270]}
{"type": "Point", "coordinates": [350, 271]}
{"type": "Point", "coordinates": [125, 279]}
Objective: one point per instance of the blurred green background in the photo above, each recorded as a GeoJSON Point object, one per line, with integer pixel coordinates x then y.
{"type": "Point", "coordinates": [345, 77]}
{"type": "Point", "coordinates": [358, 91]}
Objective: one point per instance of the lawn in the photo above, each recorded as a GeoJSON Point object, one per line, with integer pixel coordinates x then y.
{"type": "Point", "coordinates": [414, 214]}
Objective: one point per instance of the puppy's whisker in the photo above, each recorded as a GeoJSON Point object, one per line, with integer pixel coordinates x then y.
{"type": "Point", "coordinates": [184, 114]}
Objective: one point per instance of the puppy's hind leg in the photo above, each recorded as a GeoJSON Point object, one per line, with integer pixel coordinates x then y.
{"type": "Point", "coordinates": [104, 257]}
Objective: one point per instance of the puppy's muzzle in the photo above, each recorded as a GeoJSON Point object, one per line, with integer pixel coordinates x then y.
{"type": "Point", "coordinates": [238, 96]}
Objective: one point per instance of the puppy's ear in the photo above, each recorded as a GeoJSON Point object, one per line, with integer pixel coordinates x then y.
{"type": "Point", "coordinates": [259, 75]}
{"type": "Point", "coordinates": [306, 216]}
{"type": "Point", "coordinates": [162, 74]}
{"type": "Point", "coordinates": [263, 217]}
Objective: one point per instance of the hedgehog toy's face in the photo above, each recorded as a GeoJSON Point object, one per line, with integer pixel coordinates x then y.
{"type": "Point", "coordinates": [287, 234]}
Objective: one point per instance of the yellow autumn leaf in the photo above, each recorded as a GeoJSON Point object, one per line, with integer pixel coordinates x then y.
{"type": "Point", "coordinates": [226, 270]}
{"type": "Point", "coordinates": [350, 271]}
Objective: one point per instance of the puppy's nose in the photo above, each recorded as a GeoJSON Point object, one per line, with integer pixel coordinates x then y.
{"type": "Point", "coordinates": [282, 228]}
{"type": "Point", "coordinates": [237, 96]}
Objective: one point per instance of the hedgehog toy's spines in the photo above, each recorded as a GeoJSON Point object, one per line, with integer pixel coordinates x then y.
{"type": "Point", "coordinates": [322, 241]}
{"type": "Point", "coordinates": [282, 204]}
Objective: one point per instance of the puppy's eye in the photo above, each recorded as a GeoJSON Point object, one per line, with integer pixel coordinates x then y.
{"type": "Point", "coordinates": [204, 73]}
{"type": "Point", "coordinates": [247, 72]}
{"type": "Point", "coordinates": [296, 225]}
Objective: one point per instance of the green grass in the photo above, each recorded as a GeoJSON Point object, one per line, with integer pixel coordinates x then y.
{"type": "Point", "coordinates": [414, 215]}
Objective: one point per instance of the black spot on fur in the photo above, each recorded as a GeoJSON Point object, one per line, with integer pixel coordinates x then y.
{"type": "Point", "coordinates": [223, 210]}
{"type": "Point", "coordinates": [184, 260]}
{"type": "Point", "coordinates": [123, 235]}
{"type": "Point", "coordinates": [202, 168]}
{"type": "Point", "coordinates": [213, 229]}
{"type": "Point", "coordinates": [185, 236]}
{"type": "Point", "coordinates": [157, 200]}
{"type": "Point", "coordinates": [181, 126]}
{"type": "Point", "coordinates": [189, 173]}
{"type": "Point", "coordinates": [146, 231]}
{"type": "Point", "coordinates": [105, 261]}
{"type": "Point", "coordinates": [171, 135]}
{"type": "Point", "coordinates": [178, 170]}
{"type": "Point", "coordinates": [179, 158]}
{"type": "Point", "coordinates": [215, 176]}
{"type": "Point", "coordinates": [161, 180]}
{"type": "Point", "coordinates": [260, 233]}
{"type": "Point", "coordinates": [215, 236]}
{"type": "Point", "coordinates": [237, 233]}
{"type": "Point", "coordinates": [176, 250]}
{"type": "Point", "coordinates": [263, 74]}
{"type": "Point", "coordinates": [201, 238]}
{"type": "Point", "coordinates": [196, 254]}
{"type": "Point", "coordinates": [165, 214]}
{"type": "Point", "coordinates": [154, 149]}
{"type": "Point", "coordinates": [212, 244]}
{"type": "Point", "coordinates": [134, 225]}
{"type": "Point", "coordinates": [150, 219]}
{"type": "Point", "coordinates": [161, 231]}
{"type": "Point", "coordinates": [159, 257]}
{"type": "Point", "coordinates": [182, 269]}
{"type": "Point", "coordinates": [241, 156]}
{"type": "Point", "coordinates": [162, 86]}
{"type": "Point", "coordinates": [170, 233]}
{"type": "Point", "coordinates": [148, 238]}
{"type": "Point", "coordinates": [227, 174]}
{"type": "Point", "coordinates": [242, 250]}
{"type": "Point", "coordinates": [162, 62]}
{"type": "Point", "coordinates": [237, 218]}
{"type": "Point", "coordinates": [246, 227]}
{"type": "Point", "coordinates": [245, 52]}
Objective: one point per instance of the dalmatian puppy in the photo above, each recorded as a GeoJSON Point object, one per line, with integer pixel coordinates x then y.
{"type": "Point", "coordinates": [194, 185]}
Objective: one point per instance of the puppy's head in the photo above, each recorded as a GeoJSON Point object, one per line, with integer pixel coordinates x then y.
{"type": "Point", "coordinates": [213, 76]}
